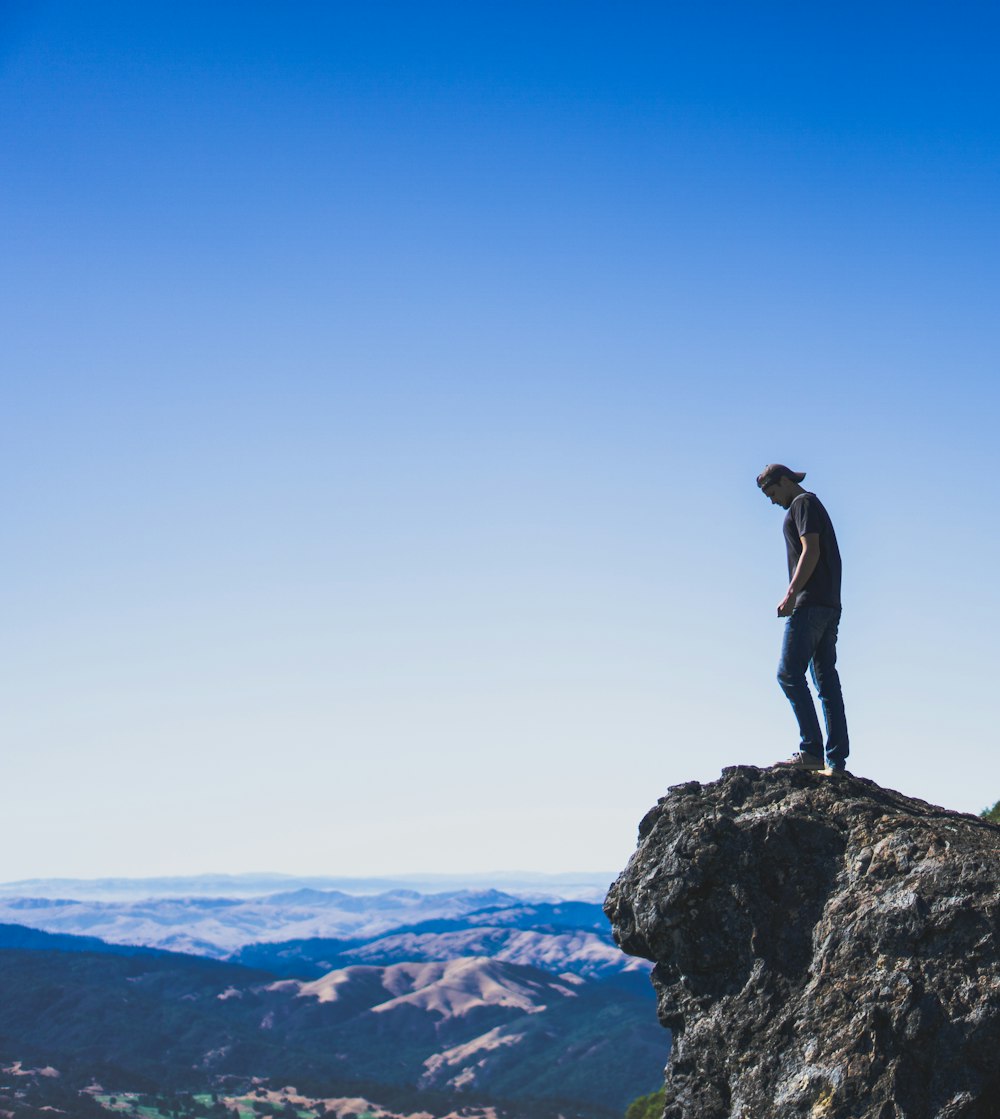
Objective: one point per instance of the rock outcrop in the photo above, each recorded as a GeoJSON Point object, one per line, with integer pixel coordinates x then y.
{"type": "Point", "coordinates": [824, 947]}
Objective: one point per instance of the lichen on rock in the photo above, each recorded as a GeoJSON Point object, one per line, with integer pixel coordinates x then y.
{"type": "Point", "coordinates": [824, 947]}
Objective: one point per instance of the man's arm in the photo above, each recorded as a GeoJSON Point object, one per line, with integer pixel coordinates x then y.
{"type": "Point", "coordinates": [802, 574]}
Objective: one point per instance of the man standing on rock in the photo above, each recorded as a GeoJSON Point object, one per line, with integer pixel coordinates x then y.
{"type": "Point", "coordinates": [812, 607]}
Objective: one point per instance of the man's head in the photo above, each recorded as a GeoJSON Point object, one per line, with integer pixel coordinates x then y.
{"type": "Point", "coordinates": [779, 484]}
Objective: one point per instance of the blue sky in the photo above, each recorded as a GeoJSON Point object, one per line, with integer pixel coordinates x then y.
{"type": "Point", "coordinates": [384, 386]}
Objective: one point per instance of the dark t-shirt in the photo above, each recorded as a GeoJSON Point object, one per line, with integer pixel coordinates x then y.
{"type": "Point", "coordinates": [806, 515]}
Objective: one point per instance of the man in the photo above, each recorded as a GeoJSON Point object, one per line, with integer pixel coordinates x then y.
{"type": "Point", "coordinates": [812, 606]}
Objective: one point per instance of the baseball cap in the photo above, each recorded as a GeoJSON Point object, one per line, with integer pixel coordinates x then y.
{"type": "Point", "coordinates": [775, 472]}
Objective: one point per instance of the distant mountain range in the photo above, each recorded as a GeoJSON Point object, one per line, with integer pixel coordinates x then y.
{"type": "Point", "coordinates": [306, 931]}
{"type": "Point", "coordinates": [473, 996]}
{"type": "Point", "coordinates": [567, 937]}
{"type": "Point", "coordinates": [218, 926]}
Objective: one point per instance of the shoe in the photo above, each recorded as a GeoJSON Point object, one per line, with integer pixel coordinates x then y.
{"type": "Point", "coordinates": [834, 771]}
{"type": "Point", "coordinates": [802, 760]}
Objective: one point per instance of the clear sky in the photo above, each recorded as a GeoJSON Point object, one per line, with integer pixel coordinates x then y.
{"type": "Point", "coordinates": [383, 390]}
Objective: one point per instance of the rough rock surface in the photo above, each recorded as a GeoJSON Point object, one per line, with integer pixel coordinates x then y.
{"type": "Point", "coordinates": [824, 947]}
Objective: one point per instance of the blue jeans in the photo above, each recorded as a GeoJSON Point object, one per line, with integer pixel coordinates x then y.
{"type": "Point", "coordinates": [811, 642]}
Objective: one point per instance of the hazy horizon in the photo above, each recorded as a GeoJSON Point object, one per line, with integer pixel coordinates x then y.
{"type": "Point", "coordinates": [529, 886]}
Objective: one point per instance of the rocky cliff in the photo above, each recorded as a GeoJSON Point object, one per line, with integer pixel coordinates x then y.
{"type": "Point", "coordinates": [824, 947]}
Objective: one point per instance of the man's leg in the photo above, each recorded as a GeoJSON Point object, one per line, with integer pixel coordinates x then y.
{"type": "Point", "coordinates": [827, 680]}
{"type": "Point", "coordinates": [796, 653]}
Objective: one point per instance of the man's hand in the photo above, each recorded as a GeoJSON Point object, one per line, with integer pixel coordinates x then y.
{"type": "Point", "coordinates": [786, 605]}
